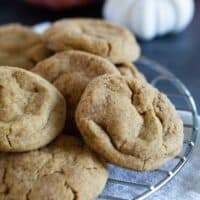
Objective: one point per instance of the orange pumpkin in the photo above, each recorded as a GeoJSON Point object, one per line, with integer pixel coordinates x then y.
{"type": "Point", "coordinates": [57, 4]}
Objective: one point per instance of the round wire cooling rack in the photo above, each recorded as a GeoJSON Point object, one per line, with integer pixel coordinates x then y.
{"type": "Point", "coordinates": [126, 184]}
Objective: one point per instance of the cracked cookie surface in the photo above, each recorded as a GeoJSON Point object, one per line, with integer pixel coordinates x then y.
{"type": "Point", "coordinates": [21, 47]}
{"type": "Point", "coordinates": [64, 170]}
{"type": "Point", "coordinates": [130, 71]}
{"type": "Point", "coordinates": [32, 111]}
{"type": "Point", "coordinates": [95, 36]}
{"type": "Point", "coordinates": [71, 71]}
{"type": "Point", "coordinates": [130, 123]}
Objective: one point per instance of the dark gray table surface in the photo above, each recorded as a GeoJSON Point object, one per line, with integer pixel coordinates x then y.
{"type": "Point", "coordinates": [179, 53]}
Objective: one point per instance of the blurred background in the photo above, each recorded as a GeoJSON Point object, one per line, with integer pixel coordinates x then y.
{"type": "Point", "coordinates": [180, 53]}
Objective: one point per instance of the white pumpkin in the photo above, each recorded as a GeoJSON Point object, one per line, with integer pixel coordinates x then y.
{"type": "Point", "coordinates": [150, 18]}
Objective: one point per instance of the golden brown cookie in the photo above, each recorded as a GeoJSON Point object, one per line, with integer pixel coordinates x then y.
{"type": "Point", "coordinates": [32, 111]}
{"type": "Point", "coordinates": [95, 36]}
{"type": "Point", "coordinates": [70, 72]}
{"type": "Point", "coordinates": [132, 125]}
{"type": "Point", "coordinates": [20, 46]}
{"type": "Point", "coordinates": [64, 170]}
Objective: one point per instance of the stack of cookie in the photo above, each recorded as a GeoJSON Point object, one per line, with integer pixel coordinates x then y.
{"type": "Point", "coordinates": [81, 104]}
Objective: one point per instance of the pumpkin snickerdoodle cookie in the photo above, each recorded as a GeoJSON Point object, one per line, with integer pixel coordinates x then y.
{"type": "Point", "coordinates": [71, 71]}
{"type": "Point", "coordinates": [64, 170]}
{"type": "Point", "coordinates": [32, 111]}
{"type": "Point", "coordinates": [132, 125]}
{"type": "Point", "coordinates": [21, 47]}
{"type": "Point", "coordinates": [95, 36]}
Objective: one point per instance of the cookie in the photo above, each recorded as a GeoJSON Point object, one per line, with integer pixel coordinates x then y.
{"type": "Point", "coordinates": [70, 72]}
{"type": "Point", "coordinates": [32, 111]}
{"type": "Point", "coordinates": [64, 170]}
{"type": "Point", "coordinates": [21, 47]}
{"type": "Point", "coordinates": [95, 36]}
{"type": "Point", "coordinates": [132, 125]}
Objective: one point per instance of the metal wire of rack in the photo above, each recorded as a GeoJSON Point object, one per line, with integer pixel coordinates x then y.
{"type": "Point", "coordinates": [140, 185]}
